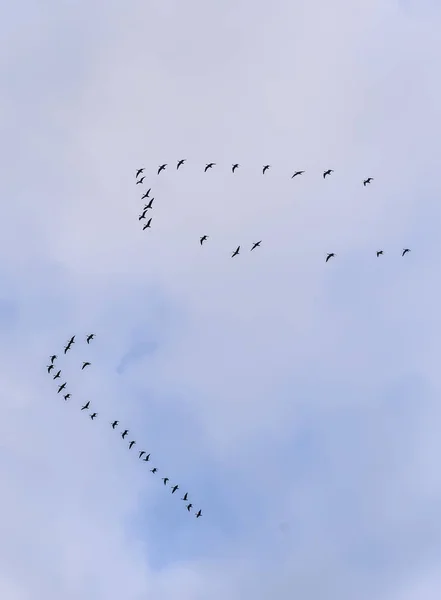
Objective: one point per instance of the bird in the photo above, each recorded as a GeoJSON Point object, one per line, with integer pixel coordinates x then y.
{"type": "Point", "coordinates": [328, 172]}
{"type": "Point", "coordinates": [256, 245]}
{"type": "Point", "coordinates": [132, 443]}
{"type": "Point", "coordinates": [149, 205]}
{"type": "Point", "coordinates": [124, 433]}
{"type": "Point", "coordinates": [405, 251]}
{"type": "Point", "coordinates": [368, 180]}
{"type": "Point", "coordinates": [138, 173]}
{"type": "Point", "coordinates": [53, 357]}
{"type": "Point", "coordinates": [297, 173]}
{"type": "Point", "coordinates": [236, 252]}
{"type": "Point", "coordinates": [147, 458]}
{"type": "Point", "coordinates": [209, 166]}
{"type": "Point", "coordinates": [330, 255]}
{"type": "Point", "coordinates": [71, 341]}
{"type": "Point", "coordinates": [203, 238]}
{"type": "Point", "coordinates": [165, 479]}
{"type": "Point", "coordinates": [147, 225]}
{"type": "Point", "coordinates": [198, 514]}
{"type": "Point", "coordinates": [93, 415]}
{"type": "Point", "coordinates": [86, 406]}
{"type": "Point", "coordinates": [90, 337]}
{"type": "Point", "coordinates": [189, 506]}
{"type": "Point", "coordinates": [141, 453]}
{"type": "Point", "coordinates": [67, 396]}
{"type": "Point", "coordinates": [114, 424]}
{"type": "Point", "coordinates": [265, 168]}
{"type": "Point", "coordinates": [234, 167]}
{"type": "Point", "coordinates": [50, 367]}
{"type": "Point", "coordinates": [85, 364]}
{"type": "Point", "coordinates": [379, 252]}
{"type": "Point", "coordinates": [162, 168]}
{"type": "Point", "coordinates": [174, 488]}
{"type": "Point", "coordinates": [57, 375]}
{"type": "Point", "coordinates": [185, 498]}
{"type": "Point", "coordinates": [61, 387]}
{"type": "Point", "coordinates": [146, 195]}
{"type": "Point", "coordinates": [140, 180]}
{"type": "Point", "coordinates": [66, 348]}
{"type": "Point", "coordinates": [143, 215]}
{"type": "Point", "coordinates": [153, 470]}
{"type": "Point", "coordinates": [180, 162]}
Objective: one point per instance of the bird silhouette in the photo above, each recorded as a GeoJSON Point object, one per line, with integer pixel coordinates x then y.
{"type": "Point", "coordinates": [146, 195]}
{"type": "Point", "coordinates": [297, 173]}
{"type": "Point", "coordinates": [236, 252]}
{"type": "Point", "coordinates": [124, 433]}
{"type": "Point", "coordinates": [379, 252]}
{"type": "Point", "coordinates": [90, 337]}
{"type": "Point", "coordinates": [189, 506]}
{"type": "Point", "coordinates": [132, 443]}
{"type": "Point", "coordinates": [114, 424]}
{"type": "Point", "coordinates": [328, 172]}
{"type": "Point", "coordinates": [181, 162]}
{"type": "Point", "coordinates": [57, 375]}
{"type": "Point", "coordinates": [153, 470]}
{"type": "Point", "coordinates": [67, 396]}
{"type": "Point", "coordinates": [72, 340]}
{"type": "Point", "coordinates": [61, 387]}
{"type": "Point", "coordinates": [142, 216]}
{"type": "Point", "coordinates": [86, 406]}
{"type": "Point", "coordinates": [140, 180]}
{"type": "Point", "coordinates": [49, 368]}
{"type": "Point", "coordinates": [330, 255]}
{"type": "Point", "coordinates": [165, 479]}
{"type": "Point", "coordinates": [162, 168]}
{"type": "Point", "coordinates": [209, 166]}
{"type": "Point", "coordinates": [147, 225]}
{"type": "Point", "coordinates": [93, 415]}
{"type": "Point", "coordinates": [203, 238]}
{"type": "Point", "coordinates": [147, 458]}
{"type": "Point", "coordinates": [138, 173]}
{"type": "Point", "coordinates": [265, 168]}
{"type": "Point", "coordinates": [174, 488]}
{"type": "Point", "coordinates": [53, 357]}
{"type": "Point", "coordinates": [85, 364]}
{"type": "Point", "coordinates": [66, 348]}
{"type": "Point", "coordinates": [256, 245]}
{"type": "Point", "coordinates": [149, 205]}
{"type": "Point", "coordinates": [234, 167]}
{"type": "Point", "coordinates": [141, 454]}
{"type": "Point", "coordinates": [405, 251]}
{"type": "Point", "coordinates": [368, 180]}
{"type": "Point", "coordinates": [198, 514]}
{"type": "Point", "coordinates": [185, 498]}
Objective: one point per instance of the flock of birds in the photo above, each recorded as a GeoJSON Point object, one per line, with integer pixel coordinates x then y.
{"type": "Point", "coordinates": [204, 238]}
{"type": "Point", "coordinates": [142, 455]}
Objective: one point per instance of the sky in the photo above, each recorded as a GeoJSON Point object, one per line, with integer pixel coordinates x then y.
{"type": "Point", "coordinates": [296, 401]}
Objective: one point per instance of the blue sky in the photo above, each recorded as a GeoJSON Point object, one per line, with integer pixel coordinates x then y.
{"type": "Point", "coordinates": [296, 401]}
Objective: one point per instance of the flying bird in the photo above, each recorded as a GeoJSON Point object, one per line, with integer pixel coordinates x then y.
{"type": "Point", "coordinates": [72, 340]}
{"type": "Point", "coordinates": [297, 173]}
{"type": "Point", "coordinates": [330, 255]}
{"type": "Point", "coordinates": [143, 215]}
{"type": "Point", "coordinates": [90, 337]}
{"type": "Point", "coordinates": [132, 443]}
{"type": "Point", "coordinates": [85, 364]}
{"type": "Point", "coordinates": [53, 357]}
{"type": "Point", "coordinates": [203, 238]}
{"type": "Point", "coordinates": [236, 252]}
{"type": "Point", "coordinates": [162, 168]}
{"type": "Point", "coordinates": [86, 406]}
{"type": "Point", "coordinates": [256, 245]}
{"type": "Point", "coordinates": [67, 396]}
{"type": "Point", "coordinates": [149, 205]}
{"type": "Point", "coordinates": [147, 458]}
{"type": "Point", "coordinates": [265, 168]}
{"type": "Point", "coordinates": [328, 172]}
{"type": "Point", "coordinates": [140, 180]}
{"type": "Point", "coordinates": [93, 415]}
{"type": "Point", "coordinates": [57, 375]}
{"type": "Point", "coordinates": [138, 173]}
{"type": "Point", "coordinates": [209, 166]}
{"type": "Point", "coordinates": [50, 367]}
{"type": "Point", "coordinates": [165, 479]}
{"type": "Point", "coordinates": [147, 225]}
{"type": "Point", "coordinates": [368, 180]}
{"type": "Point", "coordinates": [189, 506]}
{"type": "Point", "coordinates": [124, 433]}
{"type": "Point", "coordinates": [153, 470]}
{"type": "Point", "coordinates": [114, 424]}
{"type": "Point", "coordinates": [379, 252]}
{"type": "Point", "coordinates": [181, 162]}
{"type": "Point", "coordinates": [185, 498]}
{"type": "Point", "coordinates": [405, 251]}
{"type": "Point", "coordinates": [141, 454]}
{"type": "Point", "coordinates": [198, 514]}
{"type": "Point", "coordinates": [234, 167]}
{"type": "Point", "coordinates": [61, 387]}
{"type": "Point", "coordinates": [146, 195]}
{"type": "Point", "coordinates": [174, 488]}
{"type": "Point", "coordinates": [66, 348]}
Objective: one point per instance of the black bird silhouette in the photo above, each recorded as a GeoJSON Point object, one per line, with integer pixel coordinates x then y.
{"type": "Point", "coordinates": [181, 162]}
{"type": "Point", "coordinates": [138, 173]}
{"type": "Point", "coordinates": [140, 180]}
{"type": "Point", "coordinates": [53, 357]}
{"type": "Point", "coordinates": [57, 375]}
{"type": "Point", "coordinates": [124, 433]}
{"type": "Point", "coordinates": [234, 167]}
{"type": "Point", "coordinates": [236, 252]}
{"type": "Point", "coordinates": [90, 337]}
{"type": "Point", "coordinates": [368, 180]}
{"type": "Point", "coordinates": [203, 238]}
{"type": "Point", "coordinates": [85, 364]}
{"type": "Point", "coordinates": [71, 341]}
{"type": "Point", "coordinates": [328, 172]}
{"type": "Point", "coordinates": [149, 205]}
{"type": "Point", "coordinates": [114, 424]}
{"type": "Point", "coordinates": [153, 470]}
{"type": "Point", "coordinates": [147, 458]}
{"type": "Point", "coordinates": [93, 415]}
{"type": "Point", "coordinates": [198, 514]}
{"type": "Point", "coordinates": [330, 255]}
{"type": "Point", "coordinates": [146, 195]}
{"type": "Point", "coordinates": [405, 251]}
{"type": "Point", "coordinates": [132, 443]}
{"type": "Point", "coordinates": [162, 168]}
{"type": "Point", "coordinates": [174, 488]}
{"type": "Point", "coordinates": [165, 479]}
{"type": "Point", "coordinates": [61, 387]}
{"type": "Point", "coordinates": [147, 225]}
{"type": "Point", "coordinates": [50, 367]}
{"type": "Point", "coordinates": [297, 173]}
{"type": "Point", "coordinates": [209, 166]}
{"type": "Point", "coordinates": [265, 168]}
{"type": "Point", "coordinates": [256, 245]}
{"type": "Point", "coordinates": [86, 406]}
{"type": "Point", "coordinates": [143, 215]}
{"type": "Point", "coordinates": [67, 396]}
{"type": "Point", "coordinates": [141, 453]}
{"type": "Point", "coordinates": [379, 252]}
{"type": "Point", "coordinates": [185, 498]}
{"type": "Point", "coordinates": [66, 348]}
{"type": "Point", "coordinates": [189, 506]}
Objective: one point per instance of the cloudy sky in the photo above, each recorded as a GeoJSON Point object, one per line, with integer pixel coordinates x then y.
{"type": "Point", "coordinates": [297, 402]}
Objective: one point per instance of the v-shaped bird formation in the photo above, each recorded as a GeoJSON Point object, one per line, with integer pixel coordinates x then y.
{"type": "Point", "coordinates": [143, 455]}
